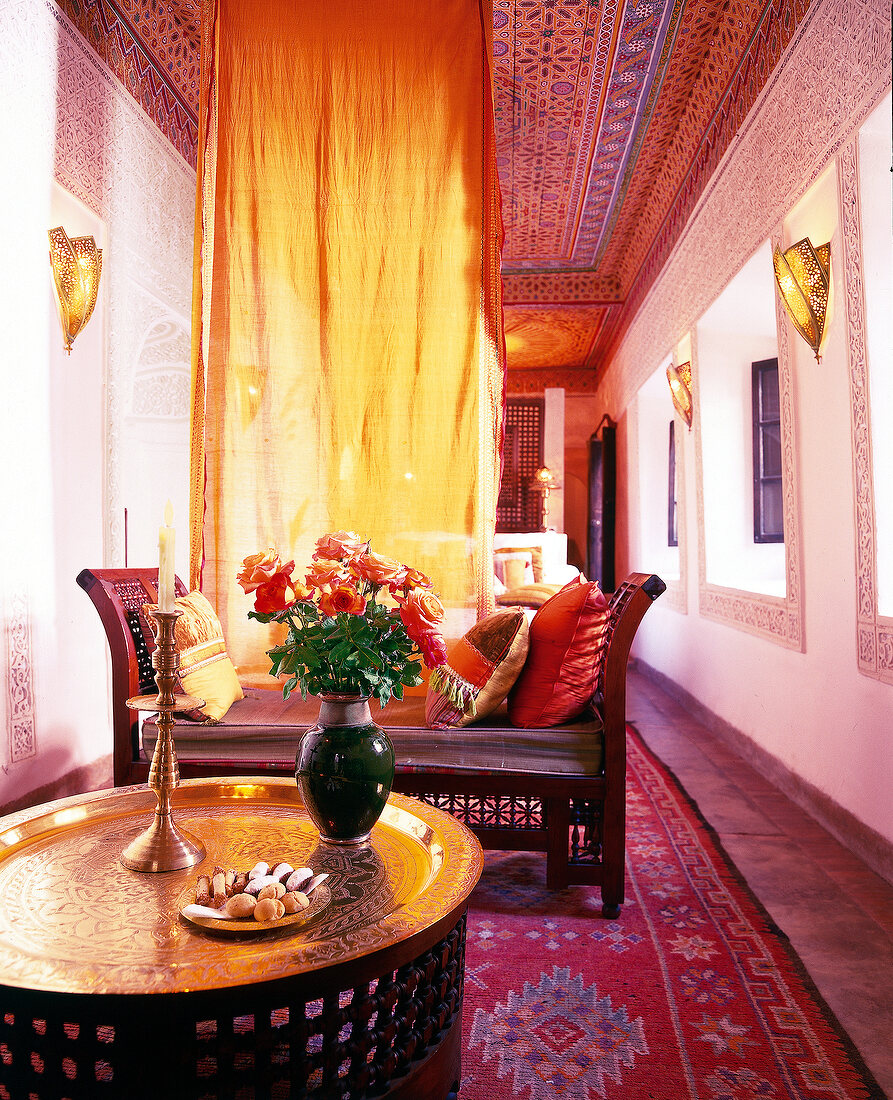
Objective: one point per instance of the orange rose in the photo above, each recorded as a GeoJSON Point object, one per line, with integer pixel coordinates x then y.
{"type": "Point", "coordinates": [343, 598]}
{"type": "Point", "coordinates": [415, 578]}
{"type": "Point", "coordinates": [323, 572]}
{"type": "Point", "coordinates": [421, 612]}
{"type": "Point", "coordinates": [261, 567]}
{"type": "Point", "coordinates": [339, 545]}
{"type": "Point", "coordinates": [376, 569]}
{"type": "Point", "coordinates": [301, 591]}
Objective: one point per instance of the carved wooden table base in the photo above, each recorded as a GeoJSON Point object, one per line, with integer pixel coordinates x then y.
{"type": "Point", "coordinates": [106, 991]}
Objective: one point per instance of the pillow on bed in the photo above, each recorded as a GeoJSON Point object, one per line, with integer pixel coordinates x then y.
{"type": "Point", "coordinates": [567, 636]}
{"type": "Point", "coordinates": [206, 670]}
{"type": "Point", "coordinates": [529, 595]}
{"type": "Point", "coordinates": [513, 567]}
{"type": "Point", "coordinates": [536, 558]}
{"type": "Point", "coordinates": [480, 669]}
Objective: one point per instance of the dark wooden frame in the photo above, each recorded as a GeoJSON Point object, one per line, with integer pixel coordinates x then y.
{"type": "Point", "coordinates": [576, 817]}
{"type": "Point", "coordinates": [672, 503]}
{"type": "Point", "coordinates": [602, 504]}
{"type": "Point", "coordinates": [758, 371]}
{"type": "Point", "coordinates": [516, 473]}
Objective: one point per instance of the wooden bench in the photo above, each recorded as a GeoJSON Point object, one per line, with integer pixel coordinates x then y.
{"type": "Point", "coordinates": [561, 790]}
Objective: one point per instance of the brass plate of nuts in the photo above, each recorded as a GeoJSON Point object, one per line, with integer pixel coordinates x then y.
{"type": "Point", "coordinates": [319, 899]}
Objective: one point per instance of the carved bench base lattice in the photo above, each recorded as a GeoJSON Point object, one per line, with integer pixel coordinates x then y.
{"type": "Point", "coordinates": [376, 1038]}
{"type": "Point", "coordinates": [525, 813]}
{"type": "Point", "coordinates": [489, 811]}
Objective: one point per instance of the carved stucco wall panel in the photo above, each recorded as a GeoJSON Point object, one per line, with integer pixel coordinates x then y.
{"type": "Point", "coordinates": [837, 68]}
{"type": "Point", "coordinates": [160, 384]}
{"type": "Point", "coordinates": [874, 632]}
{"type": "Point", "coordinates": [108, 154]}
{"type": "Point", "coordinates": [19, 679]}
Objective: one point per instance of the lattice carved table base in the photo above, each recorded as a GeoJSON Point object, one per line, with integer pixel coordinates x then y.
{"type": "Point", "coordinates": [346, 1044]}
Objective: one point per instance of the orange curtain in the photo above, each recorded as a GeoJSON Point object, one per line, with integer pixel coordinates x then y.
{"type": "Point", "coordinates": [347, 315]}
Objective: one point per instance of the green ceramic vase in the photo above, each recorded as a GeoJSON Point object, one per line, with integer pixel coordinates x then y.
{"type": "Point", "coordinates": [344, 769]}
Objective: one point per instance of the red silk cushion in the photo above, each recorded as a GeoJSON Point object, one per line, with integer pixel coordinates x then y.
{"type": "Point", "coordinates": [565, 653]}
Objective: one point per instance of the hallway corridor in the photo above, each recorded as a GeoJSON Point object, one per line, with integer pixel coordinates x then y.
{"type": "Point", "coordinates": [837, 913]}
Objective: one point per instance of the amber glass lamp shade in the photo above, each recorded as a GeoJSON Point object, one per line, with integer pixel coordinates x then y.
{"type": "Point", "coordinates": [544, 481]}
{"type": "Point", "coordinates": [803, 274]}
{"type": "Point", "coordinates": [77, 266]}
{"type": "Point", "coordinates": [680, 388]}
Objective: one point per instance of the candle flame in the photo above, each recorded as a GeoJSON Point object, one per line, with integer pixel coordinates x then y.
{"type": "Point", "coordinates": [168, 514]}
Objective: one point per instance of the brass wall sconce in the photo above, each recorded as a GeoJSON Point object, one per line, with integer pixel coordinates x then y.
{"type": "Point", "coordinates": [803, 274]}
{"type": "Point", "coordinates": [543, 481]}
{"type": "Point", "coordinates": [680, 389]}
{"type": "Point", "coordinates": [77, 266]}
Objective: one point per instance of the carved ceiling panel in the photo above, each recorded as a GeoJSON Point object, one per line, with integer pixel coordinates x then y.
{"type": "Point", "coordinates": [610, 119]}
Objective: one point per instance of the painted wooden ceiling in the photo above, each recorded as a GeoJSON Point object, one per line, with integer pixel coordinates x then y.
{"type": "Point", "coordinates": [610, 118]}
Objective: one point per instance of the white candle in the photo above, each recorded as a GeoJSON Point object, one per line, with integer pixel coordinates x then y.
{"type": "Point", "coordinates": [166, 561]}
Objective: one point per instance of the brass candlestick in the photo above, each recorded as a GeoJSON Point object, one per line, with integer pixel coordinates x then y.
{"type": "Point", "coordinates": [164, 847]}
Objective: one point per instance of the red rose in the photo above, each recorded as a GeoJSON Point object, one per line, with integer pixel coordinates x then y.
{"type": "Point", "coordinates": [344, 598]}
{"type": "Point", "coordinates": [421, 611]}
{"type": "Point", "coordinates": [432, 647]}
{"type": "Point", "coordinates": [415, 578]}
{"type": "Point", "coordinates": [271, 595]}
{"type": "Point", "coordinates": [325, 571]}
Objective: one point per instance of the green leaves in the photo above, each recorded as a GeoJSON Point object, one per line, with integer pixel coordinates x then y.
{"type": "Point", "coordinates": [369, 653]}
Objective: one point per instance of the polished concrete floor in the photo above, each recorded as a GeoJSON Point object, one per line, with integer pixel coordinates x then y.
{"type": "Point", "coordinates": [837, 913]}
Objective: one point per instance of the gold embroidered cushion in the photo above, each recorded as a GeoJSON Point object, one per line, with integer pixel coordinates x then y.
{"type": "Point", "coordinates": [479, 672]}
{"type": "Point", "coordinates": [206, 670]}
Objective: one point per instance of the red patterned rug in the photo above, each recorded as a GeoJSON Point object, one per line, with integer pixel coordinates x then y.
{"type": "Point", "coordinates": [692, 993]}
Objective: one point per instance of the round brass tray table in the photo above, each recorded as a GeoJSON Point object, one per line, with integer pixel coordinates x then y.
{"type": "Point", "coordinates": [106, 991]}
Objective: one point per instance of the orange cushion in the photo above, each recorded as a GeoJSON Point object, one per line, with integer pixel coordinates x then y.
{"type": "Point", "coordinates": [566, 649]}
{"type": "Point", "coordinates": [479, 671]}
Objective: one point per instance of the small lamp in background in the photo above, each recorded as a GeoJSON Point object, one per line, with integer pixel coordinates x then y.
{"type": "Point", "coordinates": [680, 388]}
{"type": "Point", "coordinates": [77, 265]}
{"type": "Point", "coordinates": [803, 274]}
{"type": "Point", "coordinates": [543, 481]}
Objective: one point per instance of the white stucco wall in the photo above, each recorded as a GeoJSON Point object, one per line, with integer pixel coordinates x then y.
{"type": "Point", "coordinates": [812, 710]}
{"type": "Point", "coordinates": [84, 436]}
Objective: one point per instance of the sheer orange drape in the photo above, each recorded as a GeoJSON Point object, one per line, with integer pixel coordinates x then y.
{"type": "Point", "coordinates": [348, 367]}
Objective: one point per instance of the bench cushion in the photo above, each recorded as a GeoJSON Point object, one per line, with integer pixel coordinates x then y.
{"type": "Point", "coordinates": [263, 730]}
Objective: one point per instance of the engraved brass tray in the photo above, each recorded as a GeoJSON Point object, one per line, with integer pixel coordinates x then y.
{"type": "Point", "coordinates": [73, 919]}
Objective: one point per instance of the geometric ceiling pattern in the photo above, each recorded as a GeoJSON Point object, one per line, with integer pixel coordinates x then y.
{"type": "Point", "coordinates": [610, 118]}
{"type": "Point", "coordinates": [152, 47]}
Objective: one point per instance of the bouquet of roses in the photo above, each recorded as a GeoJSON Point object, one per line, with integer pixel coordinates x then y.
{"type": "Point", "coordinates": [341, 637]}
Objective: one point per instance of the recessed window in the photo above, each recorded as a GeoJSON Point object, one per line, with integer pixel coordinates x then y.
{"type": "Point", "coordinates": [768, 512]}
{"type": "Point", "coordinates": [672, 521]}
